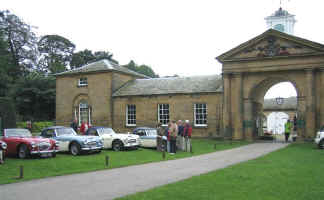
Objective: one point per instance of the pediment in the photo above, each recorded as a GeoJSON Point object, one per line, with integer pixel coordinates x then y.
{"type": "Point", "coordinates": [272, 43]}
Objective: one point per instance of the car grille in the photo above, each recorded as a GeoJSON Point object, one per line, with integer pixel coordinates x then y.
{"type": "Point", "coordinates": [132, 141]}
{"type": "Point", "coordinates": [92, 144]}
{"type": "Point", "coordinates": [44, 146]}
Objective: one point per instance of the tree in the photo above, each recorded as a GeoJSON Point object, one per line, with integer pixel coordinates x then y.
{"type": "Point", "coordinates": [143, 69]}
{"type": "Point", "coordinates": [56, 53]}
{"type": "Point", "coordinates": [81, 58]}
{"type": "Point", "coordinates": [21, 42]}
{"type": "Point", "coordinates": [34, 96]}
{"type": "Point", "coordinates": [7, 68]}
{"type": "Point", "coordinates": [86, 56]}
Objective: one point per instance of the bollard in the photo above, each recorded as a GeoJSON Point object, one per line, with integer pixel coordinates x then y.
{"type": "Point", "coordinates": [214, 146]}
{"type": "Point", "coordinates": [163, 154]}
{"type": "Point", "coordinates": [21, 172]}
{"type": "Point", "coordinates": [191, 149]}
{"type": "Point", "coordinates": [107, 161]}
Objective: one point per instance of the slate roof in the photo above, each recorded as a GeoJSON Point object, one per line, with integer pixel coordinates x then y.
{"type": "Point", "coordinates": [172, 85]}
{"type": "Point", "coordinates": [288, 104]}
{"type": "Point", "coordinates": [99, 66]}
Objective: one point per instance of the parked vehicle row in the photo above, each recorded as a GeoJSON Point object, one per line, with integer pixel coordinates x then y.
{"type": "Point", "coordinates": [20, 142]}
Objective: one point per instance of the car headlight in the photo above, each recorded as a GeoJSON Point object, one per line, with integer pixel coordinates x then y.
{"type": "Point", "coordinates": [33, 144]}
{"type": "Point", "coordinates": [3, 145]}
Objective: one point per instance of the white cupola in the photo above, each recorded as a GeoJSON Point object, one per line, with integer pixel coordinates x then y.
{"type": "Point", "coordinates": [282, 21]}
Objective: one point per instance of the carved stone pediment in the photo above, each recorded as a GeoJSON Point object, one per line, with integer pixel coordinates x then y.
{"type": "Point", "coordinates": [272, 43]}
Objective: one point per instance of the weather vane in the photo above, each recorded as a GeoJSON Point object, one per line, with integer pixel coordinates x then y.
{"type": "Point", "coordinates": [281, 1]}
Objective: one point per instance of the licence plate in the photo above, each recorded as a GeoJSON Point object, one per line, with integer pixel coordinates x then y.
{"type": "Point", "coordinates": [45, 155]}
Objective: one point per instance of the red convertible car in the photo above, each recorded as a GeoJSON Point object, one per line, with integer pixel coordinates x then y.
{"type": "Point", "coordinates": [21, 143]}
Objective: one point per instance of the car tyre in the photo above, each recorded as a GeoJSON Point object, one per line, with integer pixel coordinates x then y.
{"type": "Point", "coordinates": [321, 144]}
{"type": "Point", "coordinates": [23, 151]}
{"type": "Point", "coordinates": [117, 145]}
{"type": "Point", "coordinates": [75, 149]}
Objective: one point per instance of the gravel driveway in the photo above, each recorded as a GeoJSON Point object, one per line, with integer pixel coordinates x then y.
{"type": "Point", "coordinates": [109, 184]}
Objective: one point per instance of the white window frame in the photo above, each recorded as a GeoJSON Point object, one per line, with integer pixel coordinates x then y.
{"type": "Point", "coordinates": [162, 108]}
{"type": "Point", "coordinates": [129, 108]}
{"type": "Point", "coordinates": [81, 104]}
{"type": "Point", "coordinates": [198, 110]}
{"type": "Point", "coordinates": [83, 81]}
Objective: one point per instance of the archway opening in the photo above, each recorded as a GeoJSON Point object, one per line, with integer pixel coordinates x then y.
{"type": "Point", "coordinates": [269, 114]}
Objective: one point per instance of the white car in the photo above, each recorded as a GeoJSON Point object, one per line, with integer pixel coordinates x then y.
{"type": "Point", "coordinates": [147, 136]}
{"type": "Point", "coordinates": [319, 139]}
{"type": "Point", "coordinates": [112, 140]}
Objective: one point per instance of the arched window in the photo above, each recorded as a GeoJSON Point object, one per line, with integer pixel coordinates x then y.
{"type": "Point", "coordinates": [83, 112]}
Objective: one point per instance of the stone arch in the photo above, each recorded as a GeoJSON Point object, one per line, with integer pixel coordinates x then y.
{"type": "Point", "coordinates": [82, 108]}
{"type": "Point", "coordinates": [251, 68]}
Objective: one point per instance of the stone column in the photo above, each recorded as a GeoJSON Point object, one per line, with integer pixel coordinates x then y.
{"type": "Point", "coordinates": [321, 97]}
{"type": "Point", "coordinates": [310, 104]}
{"type": "Point", "coordinates": [227, 124]}
{"type": "Point", "coordinates": [248, 122]}
{"type": "Point", "coordinates": [237, 106]}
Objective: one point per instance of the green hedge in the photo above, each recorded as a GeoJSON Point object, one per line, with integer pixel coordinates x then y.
{"type": "Point", "coordinates": [36, 126]}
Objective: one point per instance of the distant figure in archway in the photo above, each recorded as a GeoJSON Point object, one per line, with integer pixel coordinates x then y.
{"type": "Point", "coordinates": [288, 126]}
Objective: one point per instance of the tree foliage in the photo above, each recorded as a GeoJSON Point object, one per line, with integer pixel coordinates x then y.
{"type": "Point", "coordinates": [35, 96]}
{"type": "Point", "coordinates": [21, 42]}
{"type": "Point", "coordinates": [86, 56]}
{"type": "Point", "coordinates": [56, 53]}
{"type": "Point", "coordinates": [143, 69]}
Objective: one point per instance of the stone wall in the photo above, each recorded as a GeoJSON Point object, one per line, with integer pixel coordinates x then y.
{"type": "Point", "coordinates": [181, 106]}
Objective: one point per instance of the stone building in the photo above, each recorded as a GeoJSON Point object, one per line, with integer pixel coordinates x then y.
{"type": "Point", "coordinates": [230, 105]}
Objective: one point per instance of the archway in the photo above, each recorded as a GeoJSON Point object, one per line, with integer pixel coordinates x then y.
{"type": "Point", "coordinates": [250, 69]}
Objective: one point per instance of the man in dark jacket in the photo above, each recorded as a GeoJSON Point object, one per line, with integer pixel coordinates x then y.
{"type": "Point", "coordinates": [74, 125]}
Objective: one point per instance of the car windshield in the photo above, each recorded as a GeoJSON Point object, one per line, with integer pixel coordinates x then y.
{"type": "Point", "coordinates": [102, 131]}
{"type": "Point", "coordinates": [151, 132]}
{"type": "Point", "coordinates": [16, 132]}
{"type": "Point", "coordinates": [65, 131]}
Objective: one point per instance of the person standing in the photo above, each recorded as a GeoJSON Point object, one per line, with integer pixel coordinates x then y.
{"type": "Point", "coordinates": [173, 137]}
{"type": "Point", "coordinates": [74, 125]}
{"type": "Point", "coordinates": [180, 138]}
{"type": "Point", "coordinates": [288, 126]}
{"type": "Point", "coordinates": [84, 127]}
{"type": "Point", "coordinates": [187, 136]}
{"type": "Point", "coordinates": [159, 139]}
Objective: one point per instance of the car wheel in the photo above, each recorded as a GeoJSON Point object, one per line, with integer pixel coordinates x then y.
{"type": "Point", "coordinates": [23, 151]}
{"type": "Point", "coordinates": [75, 149]}
{"type": "Point", "coordinates": [117, 145]}
{"type": "Point", "coordinates": [321, 144]}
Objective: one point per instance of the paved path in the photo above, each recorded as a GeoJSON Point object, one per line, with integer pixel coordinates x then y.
{"type": "Point", "coordinates": [109, 184]}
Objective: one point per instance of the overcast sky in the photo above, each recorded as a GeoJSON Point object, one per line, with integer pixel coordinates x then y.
{"type": "Point", "coordinates": [172, 36]}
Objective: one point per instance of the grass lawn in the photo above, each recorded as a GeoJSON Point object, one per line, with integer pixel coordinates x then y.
{"type": "Point", "coordinates": [67, 164]}
{"type": "Point", "coordinates": [292, 173]}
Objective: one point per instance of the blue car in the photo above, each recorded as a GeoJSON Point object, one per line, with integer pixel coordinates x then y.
{"type": "Point", "coordinates": [70, 141]}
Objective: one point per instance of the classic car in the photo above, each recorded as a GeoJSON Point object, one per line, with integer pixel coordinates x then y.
{"type": "Point", "coordinates": [319, 139]}
{"type": "Point", "coordinates": [112, 140]}
{"type": "Point", "coordinates": [3, 149]}
{"type": "Point", "coordinates": [70, 141]}
{"type": "Point", "coordinates": [147, 136]}
{"type": "Point", "coordinates": [21, 143]}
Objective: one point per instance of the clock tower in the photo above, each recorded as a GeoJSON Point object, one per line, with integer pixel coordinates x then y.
{"type": "Point", "coordinates": [282, 21]}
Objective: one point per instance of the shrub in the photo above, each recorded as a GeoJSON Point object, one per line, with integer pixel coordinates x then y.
{"type": "Point", "coordinates": [36, 126]}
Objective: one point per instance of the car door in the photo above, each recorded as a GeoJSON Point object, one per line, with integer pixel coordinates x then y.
{"type": "Point", "coordinates": [64, 141]}
{"type": "Point", "coordinates": [143, 138]}
{"type": "Point", "coordinates": [107, 138]}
